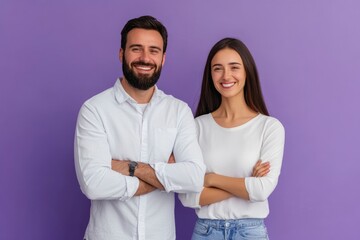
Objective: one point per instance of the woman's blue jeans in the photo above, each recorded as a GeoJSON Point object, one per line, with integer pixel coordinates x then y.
{"type": "Point", "coordinates": [242, 229]}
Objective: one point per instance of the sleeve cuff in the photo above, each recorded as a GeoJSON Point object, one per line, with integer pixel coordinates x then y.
{"type": "Point", "coordinates": [196, 203]}
{"type": "Point", "coordinates": [191, 200]}
{"type": "Point", "coordinates": [132, 184]}
{"type": "Point", "coordinates": [248, 188]}
{"type": "Point", "coordinates": [161, 176]}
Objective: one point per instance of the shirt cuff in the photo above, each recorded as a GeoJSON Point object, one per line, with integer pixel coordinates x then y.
{"type": "Point", "coordinates": [132, 184]}
{"type": "Point", "coordinates": [161, 175]}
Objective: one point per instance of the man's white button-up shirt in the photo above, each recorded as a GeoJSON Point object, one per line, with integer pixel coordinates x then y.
{"type": "Point", "coordinates": [111, 125]}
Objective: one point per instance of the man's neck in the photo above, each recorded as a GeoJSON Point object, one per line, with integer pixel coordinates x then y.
{"type": "Point", "coordinates": [140, 96]}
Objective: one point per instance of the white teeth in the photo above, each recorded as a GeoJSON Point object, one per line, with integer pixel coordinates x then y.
{"type": "Point", "coordinates": [227, 85]}
{"type": "Point", "coordinates": [144, 68]}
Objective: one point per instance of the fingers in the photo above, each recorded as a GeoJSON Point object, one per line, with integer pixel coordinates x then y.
{"type": "Point", "coordinates": [171, 158]}
{"type": "Point", "coordinates": [255, 168]}
{"type": "Point", "coordinates": [258, 163]}
{"type": "Point", "coordinates": [261, 169]}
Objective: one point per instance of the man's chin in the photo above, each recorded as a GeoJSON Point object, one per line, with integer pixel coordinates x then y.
{"type": "Point", "coordinates": [144, 75]}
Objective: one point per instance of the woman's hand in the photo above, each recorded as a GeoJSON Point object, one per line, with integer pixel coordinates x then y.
{"type": "Point", "coordinates": [261, 169]}
{"type": "Point", "coordinates": [209, 179]}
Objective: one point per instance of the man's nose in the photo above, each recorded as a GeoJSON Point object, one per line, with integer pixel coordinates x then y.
{"type": "Point", "coordinates": [145, 56]}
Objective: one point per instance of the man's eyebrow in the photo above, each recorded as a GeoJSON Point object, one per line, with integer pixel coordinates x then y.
{"type": "Point", "coordinates": [155, 47]}
{"type": "Point", "coordinates": [135, 45]}
{"type": "Point", "coordinates": [141, 46]}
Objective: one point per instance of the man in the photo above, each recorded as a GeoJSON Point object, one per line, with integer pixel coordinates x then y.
{"type": "Point", "coordinates": [125, 144]}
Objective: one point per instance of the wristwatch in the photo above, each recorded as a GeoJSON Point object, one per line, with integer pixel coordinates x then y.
{"type": "Point", "coordinates": [132, 167]}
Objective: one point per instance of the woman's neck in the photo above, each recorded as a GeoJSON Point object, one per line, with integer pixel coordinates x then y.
{"type": "Point", "coordinates": [233, 112]}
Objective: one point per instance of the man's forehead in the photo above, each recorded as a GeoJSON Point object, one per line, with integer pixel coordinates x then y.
{"type": "Point", "coordinates": [145, 38]}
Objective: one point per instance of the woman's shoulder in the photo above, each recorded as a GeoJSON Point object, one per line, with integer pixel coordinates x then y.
{"type": "Point", "coordinates": [271, 122]}
{"type": "Point", "coordinates": [203, 119]}
{"type": "Point", "coordinates": [269, 118]}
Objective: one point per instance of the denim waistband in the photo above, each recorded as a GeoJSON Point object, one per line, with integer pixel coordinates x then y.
{"type": "Point", "coordinates": [232, 223]}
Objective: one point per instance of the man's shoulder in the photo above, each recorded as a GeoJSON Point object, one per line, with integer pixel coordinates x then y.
{"type": "Point", "coordinates": [170, 99]}
{"type": "Point", "coordinates": [101, 98]}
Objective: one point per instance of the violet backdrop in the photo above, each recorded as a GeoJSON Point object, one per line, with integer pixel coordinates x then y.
{"type": "Point", "coordinates": [56, 54]}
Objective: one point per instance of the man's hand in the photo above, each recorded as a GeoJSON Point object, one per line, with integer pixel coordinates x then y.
{"type": "Point", "coordinates": [120, 166]}
{"type": "Point", "coordinates": [171, 158]}
{"type": "Point", "coordinates": [147, 174]}
{"type": "Point", "coordinates": [261, 169]}
{"type": "Point", "coordinates": [143, 171]}
{"type": "Point", "coordinates": [144, 188]}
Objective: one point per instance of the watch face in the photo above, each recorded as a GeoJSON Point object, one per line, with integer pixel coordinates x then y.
{"type": "Point", "coordinates": [133, 164]}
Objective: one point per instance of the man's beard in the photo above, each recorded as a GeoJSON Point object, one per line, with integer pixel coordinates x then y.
{"type": "Point", "coordinates": [140, 81]}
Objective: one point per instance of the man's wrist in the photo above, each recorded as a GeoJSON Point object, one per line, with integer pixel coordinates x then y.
{"type": "Point", "coordinates": [132, 166]}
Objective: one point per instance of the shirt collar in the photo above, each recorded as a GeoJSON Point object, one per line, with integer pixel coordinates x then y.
{"type": "Point", "coordinates": [122, 96]}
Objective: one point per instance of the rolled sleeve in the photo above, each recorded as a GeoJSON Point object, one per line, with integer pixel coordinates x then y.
{"type": "Point", "coordinates": [132, 184]}
{"type": "Point", "coordinates": [160, 172]}
{"type": "Point", "coordinates": [93, 161]}
{"type": "Point", "coordinates": [191, 200]}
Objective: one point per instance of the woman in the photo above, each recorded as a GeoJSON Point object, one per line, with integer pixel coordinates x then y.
{"type": "Point", "coordinates": [234, 131]}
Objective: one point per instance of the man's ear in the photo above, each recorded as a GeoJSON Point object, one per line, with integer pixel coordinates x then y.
{"type": "Point", "coordinates": [121, 54]}
{"type": "Point", "coordinates": [163, 59]}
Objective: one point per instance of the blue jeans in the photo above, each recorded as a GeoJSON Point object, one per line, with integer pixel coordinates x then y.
{"type": "Point", "coordinates": [241, 229]}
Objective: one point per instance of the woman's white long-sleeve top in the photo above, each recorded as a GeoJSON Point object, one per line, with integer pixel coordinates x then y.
{"type": "Point", "coordinates": [234, 152]}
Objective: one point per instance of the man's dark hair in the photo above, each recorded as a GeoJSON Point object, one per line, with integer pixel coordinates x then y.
{"type": "Point", "coordinates": [144, 22]}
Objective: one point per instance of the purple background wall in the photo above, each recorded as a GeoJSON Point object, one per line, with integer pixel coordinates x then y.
{"type": "Point", "coordinates": [54, 55]}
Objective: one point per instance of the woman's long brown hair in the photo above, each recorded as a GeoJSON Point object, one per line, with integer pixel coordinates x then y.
{"type": "Point", "coordinates": [210, 98]}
